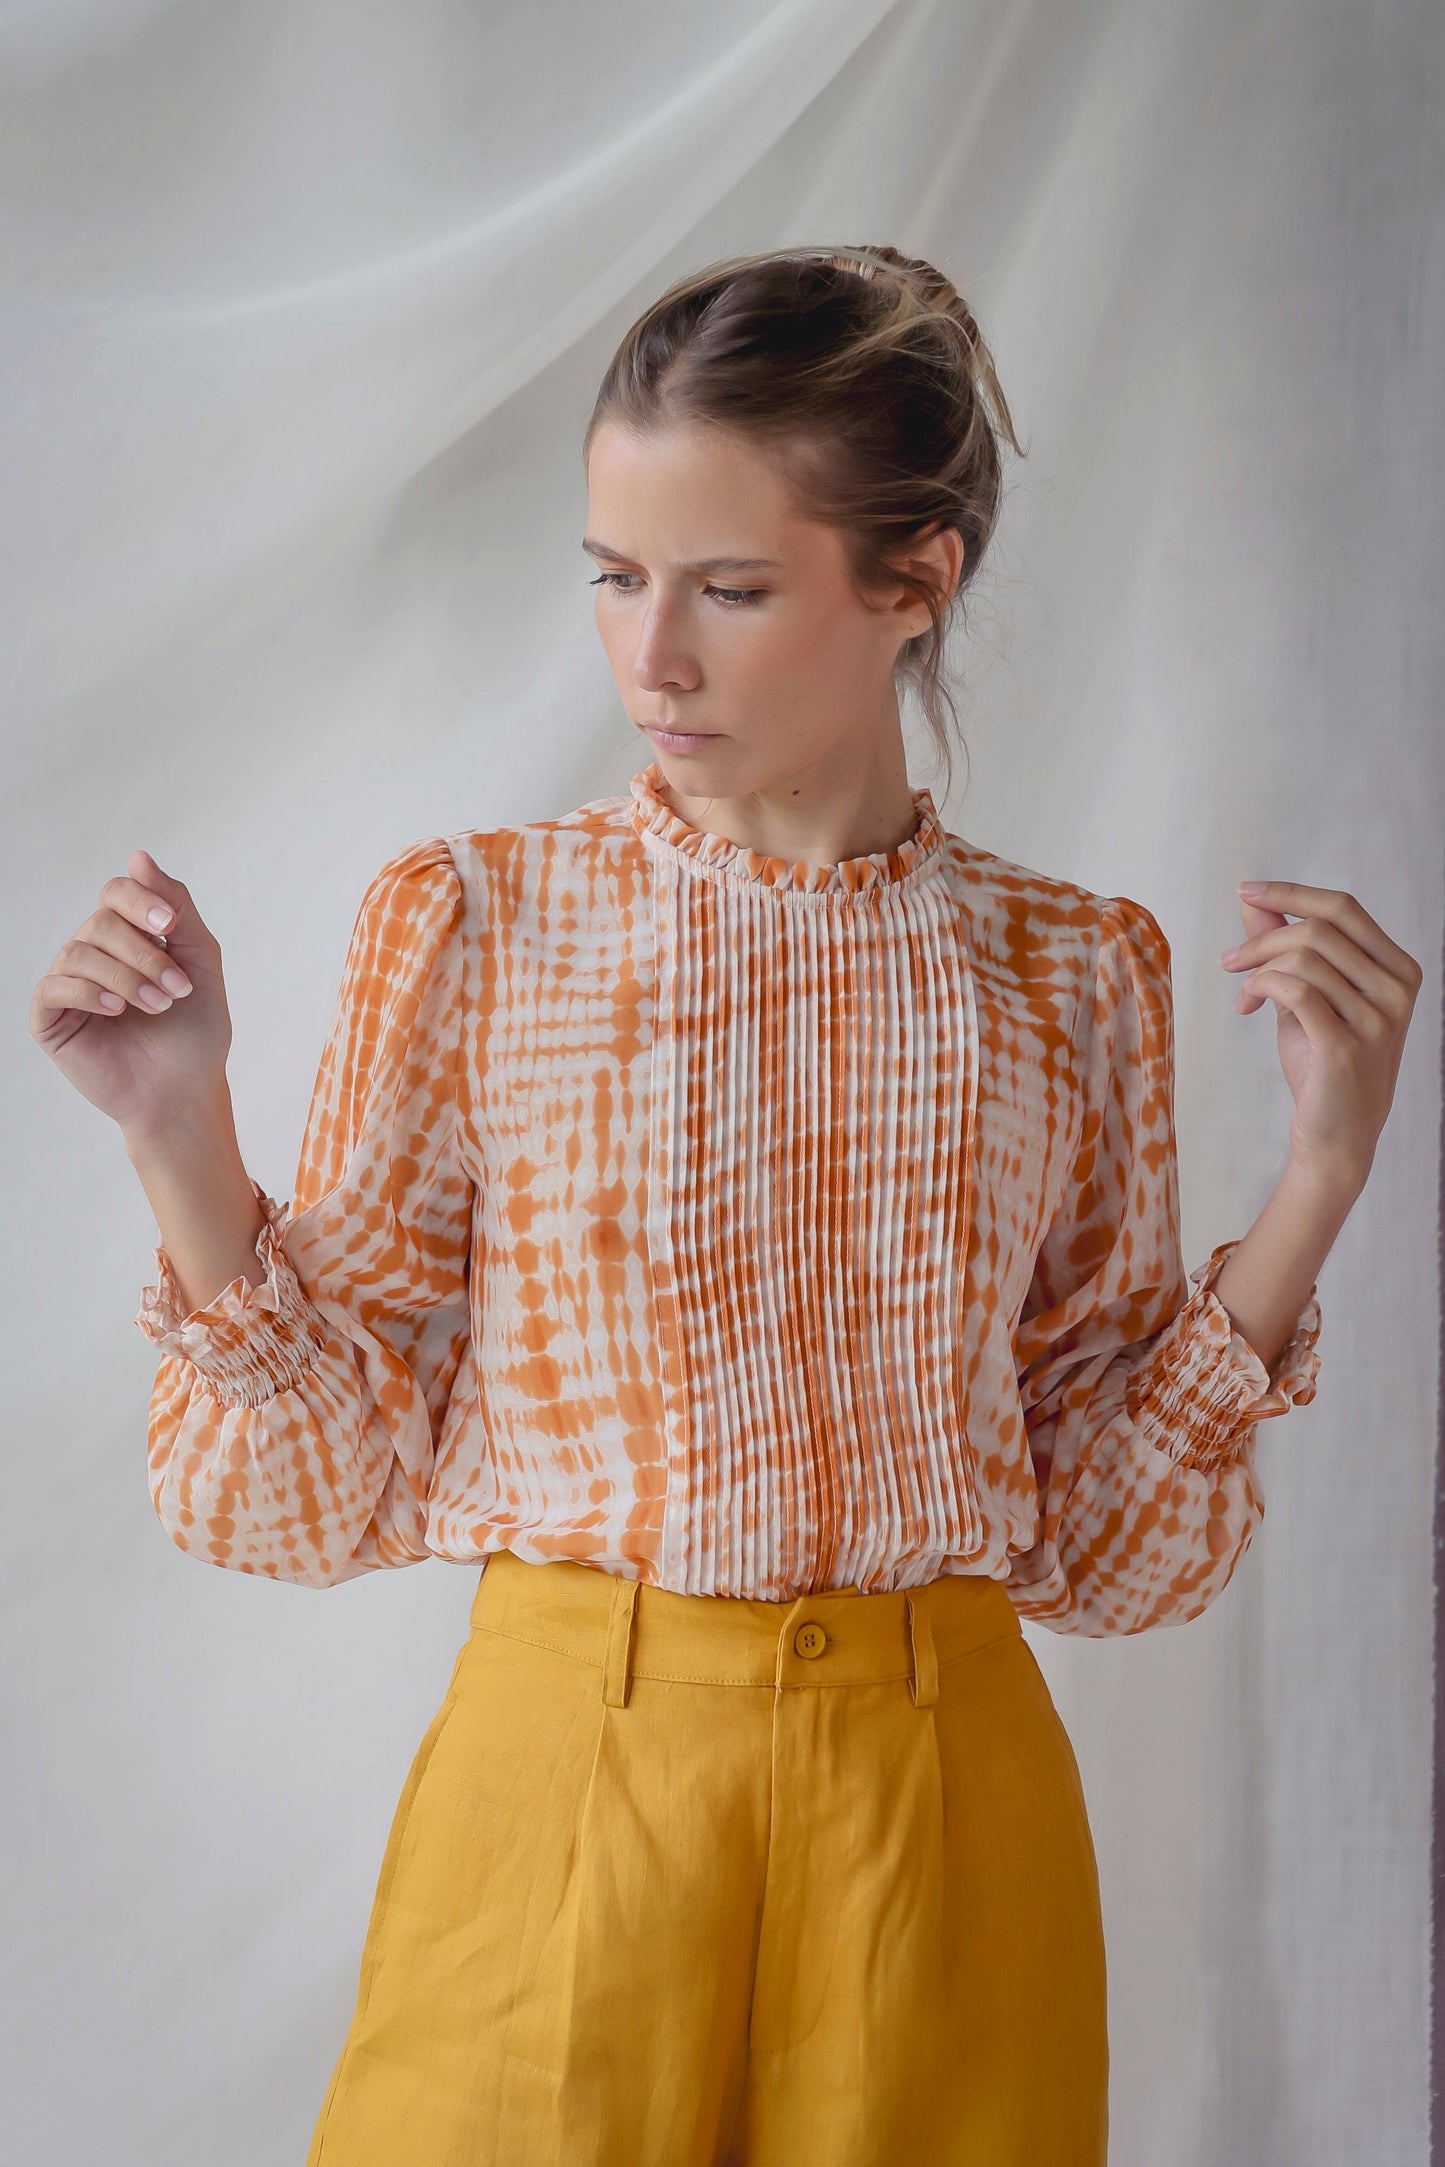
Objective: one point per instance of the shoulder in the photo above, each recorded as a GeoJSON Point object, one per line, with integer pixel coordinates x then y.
{"type": "Point", "coordinates": [416, 869]}
{"type": "Point", "coordinates": [468, 859]}
{"type": "Point", "coordinates": [417, 892]}
{"type": "Point", "coordinates": [1021, 913]}
{"type": "Point", "coordinates": [582, 831]}
{"type": "Point", "coordinates": [537, 869]}
{"type": "Point", "coordinates": [438, 903]}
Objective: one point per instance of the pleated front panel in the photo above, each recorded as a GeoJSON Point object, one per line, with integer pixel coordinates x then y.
{"type": "Point", "coordinates": [814, 1078]}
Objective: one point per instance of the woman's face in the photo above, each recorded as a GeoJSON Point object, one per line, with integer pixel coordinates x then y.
{"type": "Point", "coordinates": [777, 661]}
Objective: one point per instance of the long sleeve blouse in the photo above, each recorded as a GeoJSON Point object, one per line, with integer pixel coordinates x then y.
{"type": "Point", "coordinates": [739, 1225]}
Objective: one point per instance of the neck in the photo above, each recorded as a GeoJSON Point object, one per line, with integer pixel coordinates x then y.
{"type": "Point", "coordinates": [819, 814]}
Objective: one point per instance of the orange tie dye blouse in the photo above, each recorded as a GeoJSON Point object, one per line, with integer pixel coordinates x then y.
{"type": "Point", "coordinates": [737, 1225]}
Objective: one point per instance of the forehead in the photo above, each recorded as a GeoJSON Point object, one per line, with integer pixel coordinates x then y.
{"type": "Point", "coordinates": [690, 492]}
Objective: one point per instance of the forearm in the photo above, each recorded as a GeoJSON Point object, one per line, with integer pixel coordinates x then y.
{"type": "Point", "coordinates": [205, 1206]}
{"type": "Point", "coordinates": [1266, 1280]}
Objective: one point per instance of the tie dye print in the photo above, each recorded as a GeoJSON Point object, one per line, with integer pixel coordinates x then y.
{"type": "Point", "coordinates": [736, 1225]}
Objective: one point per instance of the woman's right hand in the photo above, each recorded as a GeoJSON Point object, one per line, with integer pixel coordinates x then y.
{"type": "Point", "coordinates": [142, 1051]}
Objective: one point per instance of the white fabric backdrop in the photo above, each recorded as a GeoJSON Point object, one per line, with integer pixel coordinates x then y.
{"type": "Point", "coordinates": [305, 305]}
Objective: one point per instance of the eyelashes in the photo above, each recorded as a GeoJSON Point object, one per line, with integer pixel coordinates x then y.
{"type": "Point", "coordinates": [728, 597]}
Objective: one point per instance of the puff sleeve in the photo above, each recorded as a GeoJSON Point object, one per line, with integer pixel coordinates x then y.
{"type": "Point", "coordinates": [1140, 1399]}
{"type": "Point", "coordinates": [293, 1424]}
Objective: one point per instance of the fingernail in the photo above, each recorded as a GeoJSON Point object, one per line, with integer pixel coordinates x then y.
{"type": "Point", "coordinates": [1227, 955]}
{"type": "Point", "coordinates": [160, 917]}
{"type": "Point", "coordinates": [1253, 887]}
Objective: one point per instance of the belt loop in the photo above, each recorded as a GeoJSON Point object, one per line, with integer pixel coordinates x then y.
{"type": "Point", "coordinates": [617, 1667]}
{"type": "Point", "coordinates": [924, 1682]}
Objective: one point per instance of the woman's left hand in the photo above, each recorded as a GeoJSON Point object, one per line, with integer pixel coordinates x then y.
{"type": "Point", "coordinates": [1344, 993]}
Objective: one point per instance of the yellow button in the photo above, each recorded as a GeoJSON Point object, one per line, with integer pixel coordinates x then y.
{"type": "Point", "coordinates": [810, 1639]}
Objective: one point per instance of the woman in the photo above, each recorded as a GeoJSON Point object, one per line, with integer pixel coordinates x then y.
{"type": "Point", "coordinates": [746, 1215]}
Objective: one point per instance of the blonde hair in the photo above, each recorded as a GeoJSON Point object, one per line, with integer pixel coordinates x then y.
{"type": "Point", "coordinates": [866, 378]}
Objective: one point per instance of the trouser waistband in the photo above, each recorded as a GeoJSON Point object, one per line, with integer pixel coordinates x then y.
{"type": "Point", "coordinates": [840, 1636]}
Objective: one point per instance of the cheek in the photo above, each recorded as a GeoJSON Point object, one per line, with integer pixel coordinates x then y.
{"type": "Point", "coordinates": [617, 643]}
{"type": "Point", "coordinates": [815, 654]}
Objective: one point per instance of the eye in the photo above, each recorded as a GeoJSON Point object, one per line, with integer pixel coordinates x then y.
{"type": "Point", "coordinates": [729, 597]}
{"type": "Point", "coordinates": [736, 597]}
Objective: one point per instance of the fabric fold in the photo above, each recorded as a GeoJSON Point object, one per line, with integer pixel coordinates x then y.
{"type": "Point", "coordinates": [249, 1341]}
{"type": "Point", "coordinates": [1204, 1387]}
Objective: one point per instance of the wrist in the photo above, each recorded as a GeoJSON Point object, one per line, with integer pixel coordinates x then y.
{"type": "Point", "coordinates": [1328, 1183]}
{"type": "Point", "coordinates": [207, 1120]}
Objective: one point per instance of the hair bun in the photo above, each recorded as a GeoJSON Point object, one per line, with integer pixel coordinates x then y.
{"type": "Point", "coordinates": [921, 277]}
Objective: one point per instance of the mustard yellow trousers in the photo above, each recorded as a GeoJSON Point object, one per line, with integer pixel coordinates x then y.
{"type": "Point", "coordinates": [684, 1879]}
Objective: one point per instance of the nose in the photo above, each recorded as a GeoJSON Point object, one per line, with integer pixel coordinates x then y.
{"type": "Point", "coordinates": [660, 657]}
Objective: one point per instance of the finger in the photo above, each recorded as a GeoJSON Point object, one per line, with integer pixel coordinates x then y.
{"type": "Point", "coordinates": [1307, 967]}
{"type": "Point", "coordinates": [1341, 908]}
{"type": "Point", "coordinates": [1257, 923]}
{"type": "Point", "coordinates": [61, 990]}
{"type": "Point", "coordinates": [149, 880]}
{"type": "Point", "coordinates": [1258, 920]}
{"type": "Point", "coordinates": [132, 900]}
{"type": "Point", "coordinates": [86, 960]}
{"type": "Point", "coordinates": [1320, 1020]}
{"type": "Point", "coordinates": [1377, 985]}
{"type": "Point", "coordinates": [115, 935]}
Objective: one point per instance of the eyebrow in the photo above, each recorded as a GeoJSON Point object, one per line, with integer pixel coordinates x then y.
{"type": "Point", "coordinates": [699, 564]}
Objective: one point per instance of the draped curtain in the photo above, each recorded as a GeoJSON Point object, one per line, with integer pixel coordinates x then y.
{"type": "Point", "coordinates": [304, 308]}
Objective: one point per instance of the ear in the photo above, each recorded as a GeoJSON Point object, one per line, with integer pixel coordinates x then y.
{"type": "Point", "coordinates": [936, 555]}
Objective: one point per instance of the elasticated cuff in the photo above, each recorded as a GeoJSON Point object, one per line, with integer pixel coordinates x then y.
{"type": "Point", "coordinates": [249, 1342]}
{"type": "Point", "coordinates": [1204, 1388]}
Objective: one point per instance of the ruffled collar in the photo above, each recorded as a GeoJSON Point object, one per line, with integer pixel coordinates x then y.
{"type": "Point", "coordinates": [720, 857]}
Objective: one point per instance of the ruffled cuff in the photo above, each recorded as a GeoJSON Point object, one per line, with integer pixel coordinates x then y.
{"type": "Point", "coordinates": [1203, 1387]}
{"type": "Point", "coordinates": [249, 1342]}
